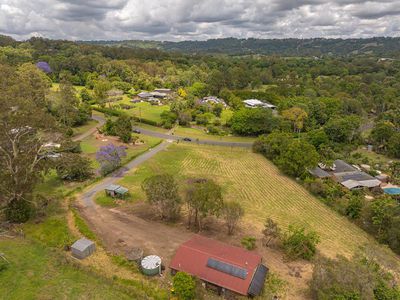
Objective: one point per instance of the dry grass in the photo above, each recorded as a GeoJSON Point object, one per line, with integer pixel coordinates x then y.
{"type": "Point", "coordinates": [262, 189]}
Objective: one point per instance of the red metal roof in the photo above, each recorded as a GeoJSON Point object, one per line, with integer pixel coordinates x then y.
{"type": "Point", "coordinates": [192, 256]}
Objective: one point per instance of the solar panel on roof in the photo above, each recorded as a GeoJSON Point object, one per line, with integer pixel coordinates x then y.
{"type": "Point", "coordinates": [227, 268]}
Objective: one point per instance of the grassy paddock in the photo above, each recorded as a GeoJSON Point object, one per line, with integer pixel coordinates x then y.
{"type": "Point", "coordinates": [91, 145]}
{"type": "Point", "coordinates": [144, 109]}
{"type": "Point", "coordinates": [36, 272]}
{"type": "Point", "coordinates": [82, 129]}
{"type": "Point", "coordinates": [200, 134]}
{"type": "Point", "coordinates": [261, 188]}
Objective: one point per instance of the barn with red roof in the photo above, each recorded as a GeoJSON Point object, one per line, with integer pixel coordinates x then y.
{"type": "Point", "coordinates": [221, 266]}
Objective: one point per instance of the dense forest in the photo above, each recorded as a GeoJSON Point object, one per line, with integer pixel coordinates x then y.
{"type": "Point", "coordinates": [380, 46]}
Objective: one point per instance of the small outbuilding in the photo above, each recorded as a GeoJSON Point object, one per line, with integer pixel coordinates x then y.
{"type": "Point", "coordinates": [83, 248]}
{"type": "Point", "coordinates": [114, 191]}
{"type": "Point", "coordinates": [227, 269]}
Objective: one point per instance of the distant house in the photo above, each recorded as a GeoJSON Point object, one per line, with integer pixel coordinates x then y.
{"type": "Point", "coordinates": [319, 173]}
{"type": "Point", "coordinates": [352, 177]}
{"type": "Point", "coordinates": [154, 101]}
{"type": "Point", "coordinates": [144, 95]}
{"type": "Point", "coordinates": [223, 268]}
{"type": "Point", "coordinates": [158, 95]}
{"type": "Point", "coordinates": [114, 191]}
{"type": "Point", "coordinates": [163, 90]}
{"type": "Point", "coordinates": [212, 100]}
{"type": "Point", "coordinates": [255, 103]}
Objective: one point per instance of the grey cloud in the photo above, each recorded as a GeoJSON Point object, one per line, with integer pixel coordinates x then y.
{"type": "Point", "coordinates": [198, 19]}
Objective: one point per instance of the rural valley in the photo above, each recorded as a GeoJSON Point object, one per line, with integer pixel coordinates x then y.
{"type": "Point", "coordinates": [226, 168]}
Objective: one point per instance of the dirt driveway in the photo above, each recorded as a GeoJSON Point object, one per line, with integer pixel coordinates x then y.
{"type": "Point", "coordinates": [121, 232]}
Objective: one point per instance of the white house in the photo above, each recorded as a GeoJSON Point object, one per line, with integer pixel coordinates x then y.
{"type": "Point", "coordinates": [255, 103]}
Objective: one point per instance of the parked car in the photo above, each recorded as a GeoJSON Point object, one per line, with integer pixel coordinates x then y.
{"type": "Point", "coordinates": [136, 130]}
{"type": "Point", "coordinates": [186, 139]}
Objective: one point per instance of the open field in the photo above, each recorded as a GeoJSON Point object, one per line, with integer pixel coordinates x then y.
{"type": "Point", "coordinates": [143, 109]}
{"type": "Point", "coordinates": [81, 129]}
{"type": "Point", "coordinates": [260, 187]}
{"type": "Point", "coordinates": [197, 133]}
{"type": "Point", "coordinates": [36, 272]}
{"type": "Point", "coordinates": [91, 144]}
{"type": "Point", "coordinates": [373, 157]}
{"type": "Point", "coordinates": [55, 87]}
{"type": "Point", "coordinates": [150, 127]}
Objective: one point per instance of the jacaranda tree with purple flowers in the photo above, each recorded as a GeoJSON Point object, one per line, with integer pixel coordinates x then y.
{"type": "Point", "coordinates": [110, 157]}
{"type": "Point", "coordinates": [44, 66]}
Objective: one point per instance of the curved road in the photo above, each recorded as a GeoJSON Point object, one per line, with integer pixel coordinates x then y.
{"type": "Point", "coordinates": [84, 135]}
{"type": "Point", "coordinates": [88, 195]}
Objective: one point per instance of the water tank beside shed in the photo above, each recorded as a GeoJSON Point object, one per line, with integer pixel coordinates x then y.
{"type": "Point", "coordinates": [151, 265]}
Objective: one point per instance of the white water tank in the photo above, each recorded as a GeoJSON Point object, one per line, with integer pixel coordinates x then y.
{"type": "Point", "coordinates": [151, 265]}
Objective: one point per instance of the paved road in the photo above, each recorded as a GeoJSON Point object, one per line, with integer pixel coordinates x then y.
{"type": "Point", "coordinates": [84, 135]}
{"type": "Point", "coordinates": [194, 141]}
{"type": "Point", "coordinates": [88, 196]}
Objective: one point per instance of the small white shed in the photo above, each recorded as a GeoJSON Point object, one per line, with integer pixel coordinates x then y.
{"type": "Point", "coordinates": [83, 248]}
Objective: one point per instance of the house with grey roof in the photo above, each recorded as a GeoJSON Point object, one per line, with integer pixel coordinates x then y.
{"type": "Point", "coordinates": [212, 100]}
{"type": "Point", "coordinates": [352, 177]}
{"type": "Point", "coordinates": [319, 173]}
{"type": "Point", "coordinates": [349, 176]}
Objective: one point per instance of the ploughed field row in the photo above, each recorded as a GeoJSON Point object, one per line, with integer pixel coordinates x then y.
{"type": "Point", "coordinates": [261, 188]}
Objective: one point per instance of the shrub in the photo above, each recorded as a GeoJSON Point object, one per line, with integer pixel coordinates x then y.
{"type": "Point", "coordinates": [162, 193]}
{"type": "Point", "coordinates": [19, 211]}
{"type": "Point", "coordinates": [232, 212]}
{"type": "Point", "coordinates": [184, 286]}
{"type": "Point", "coordinates": [74, 167]}
{"type": "Point", "coordinates": [348, 279]}
{"type": "Point", "coordinates": [249, 242]}
{"type": "Point", "coordinates": [298, 243]}
{"type": "Point", "coordinates": [3, 265]}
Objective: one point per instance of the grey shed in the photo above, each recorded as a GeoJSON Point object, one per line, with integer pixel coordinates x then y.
{"type": "Point", "coordinates": [83, 248]}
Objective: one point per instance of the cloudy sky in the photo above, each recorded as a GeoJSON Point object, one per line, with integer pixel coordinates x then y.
{"type": "Point", "coordinates": [198, 19]}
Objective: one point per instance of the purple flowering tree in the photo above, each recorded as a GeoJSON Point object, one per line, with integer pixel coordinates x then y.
{"type": "Point", "coordinates": [110, 157]}
{"type": "Point", "coordinates": [44, 66]}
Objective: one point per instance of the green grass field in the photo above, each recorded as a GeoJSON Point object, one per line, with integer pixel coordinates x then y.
{"type": "Point", "coordinates": [150, 127]}
{"type": "Point", "coordinates": [82, 129]}
{"type": "Point", "coordinates": [90, 145]}
{"type": "Point", "coordinates": [200, 134]}
{"type": "Point", "coordinates": [143, 109]}
{"type": "Point", "coordinates": [373, 157]}
{"type": "Point", "coordinates": [261, 188]}
{"type": "Point", "coordinates": [36, 272]}
{"type": "Point", "coordinates": [55, 87]}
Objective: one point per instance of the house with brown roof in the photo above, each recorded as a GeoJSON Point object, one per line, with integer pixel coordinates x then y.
{"type": "Point", "coordinates": [222, 267]}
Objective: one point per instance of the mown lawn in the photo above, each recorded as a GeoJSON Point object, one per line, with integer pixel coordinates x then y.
{"type": "Point", "coordinates": [261, 188]}
{"type": "Point", "coordinates": [144, 110]}
{"type": "Point", "coordinates": [82, 129]}
{"type": "Point", "coordinates": [200, 134]}
{"type": "Point", "coordinates": [91, 145]}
